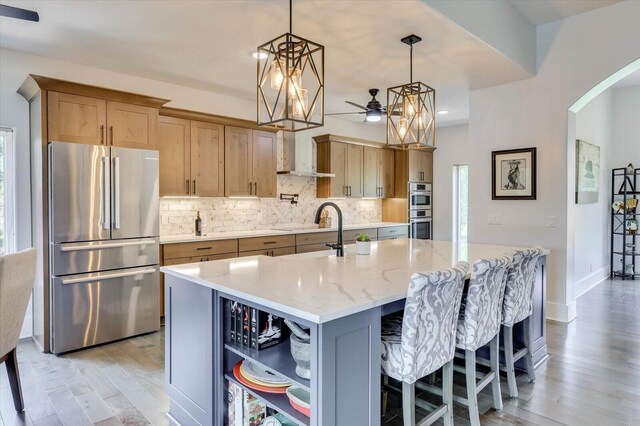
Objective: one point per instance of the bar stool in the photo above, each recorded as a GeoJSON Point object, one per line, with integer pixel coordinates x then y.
{"type": "Point", "coordinates": [423, 340]}
{"type": "Point", "coordinates": [479, 324]}
{"type": "Point", "coordinates": [517, 307]}
{"type": "Point", "coordinates": [17, 273]}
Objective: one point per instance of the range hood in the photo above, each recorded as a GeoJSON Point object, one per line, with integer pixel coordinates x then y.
{"type": "Point", "coordinates": [299, 156]}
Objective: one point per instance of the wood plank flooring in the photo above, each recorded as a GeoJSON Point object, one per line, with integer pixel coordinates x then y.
{"type": "Point", "coordinates": [592, 377]}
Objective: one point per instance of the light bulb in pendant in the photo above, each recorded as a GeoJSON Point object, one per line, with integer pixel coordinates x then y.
{"type": "Point", "coordinates": [295, 82]}
{"type": "Point", "coordinates": [422, 120]}
{"type": "Point", "coordinates": [403, 126]}
{"type": "Point", "coordinates": [299, 104]}
{"type": "Point", "coordinates": [409, 107]}
{"type": "Point", "coordinates": [277, 74]}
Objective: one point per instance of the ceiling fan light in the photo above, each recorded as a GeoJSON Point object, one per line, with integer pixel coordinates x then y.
{"type": "Point", "coordinates": [373, 116]}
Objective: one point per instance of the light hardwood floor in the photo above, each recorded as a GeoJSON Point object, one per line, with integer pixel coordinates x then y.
{"type": "Point", "coordinates": [592, 377]}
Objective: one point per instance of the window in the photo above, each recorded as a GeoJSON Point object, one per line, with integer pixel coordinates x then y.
{"type": "Point", "coordinates": [7, 191]}
{"type": "Point", "coordinates": [460, 201]}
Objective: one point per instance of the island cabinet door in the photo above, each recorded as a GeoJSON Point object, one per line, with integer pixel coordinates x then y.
{"type": "Point", "coordinates": [237, 158]}
{"type": "Point", "coordinates": [174, 136]}
{"type": "Point", "coordinates": [207, 159]}
{"type": "Point", "coordinates": [77, 119]}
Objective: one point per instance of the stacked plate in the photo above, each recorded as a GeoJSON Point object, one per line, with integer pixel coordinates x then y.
{"type": "Point", "coordinates": [257, 378]}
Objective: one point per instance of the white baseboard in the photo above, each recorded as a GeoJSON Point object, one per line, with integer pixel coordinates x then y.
{"type": "Point", "coordinates": [590, 281]}
{"type": "Point", "coordinates": [561, 312]}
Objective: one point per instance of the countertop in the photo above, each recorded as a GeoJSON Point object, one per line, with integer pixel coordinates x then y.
{"type": "Point", "coordinates": [279, 230]}
{"type": "Point", "coordinates": [321, 287]}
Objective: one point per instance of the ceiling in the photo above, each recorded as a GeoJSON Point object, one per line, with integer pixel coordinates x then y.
{"type": "Point", "coordinates": [208, 44]}
{"type": "Point", "coordinates": [540, 12]}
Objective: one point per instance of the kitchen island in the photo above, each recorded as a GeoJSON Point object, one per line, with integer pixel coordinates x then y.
{"type": "Point", "coordinates": [341, 301]}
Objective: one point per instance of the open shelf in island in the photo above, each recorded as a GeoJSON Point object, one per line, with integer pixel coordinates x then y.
{"type": "Point", "coordinates": [277, 358]}
{"type": "Point", "coordinates": [277, 401]}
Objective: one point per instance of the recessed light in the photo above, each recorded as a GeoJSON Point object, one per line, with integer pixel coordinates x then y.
{"type": "Point", "coordinates": [259, 55]}
{"type": "Point", "coordinates": [443, 112]}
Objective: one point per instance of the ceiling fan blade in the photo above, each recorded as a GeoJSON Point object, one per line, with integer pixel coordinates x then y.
{"type": "Point", "coordinates": [356, 105]}
{"type": "Point", "coordinates": [18, 13]}
{"type": "Point", "coordinates": [347, 113]}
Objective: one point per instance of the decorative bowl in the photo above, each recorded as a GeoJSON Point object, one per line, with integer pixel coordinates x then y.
{"type": "Point", "coordinates": [301, 352]}
{"type": "Point", "coordinates": [300, 400]}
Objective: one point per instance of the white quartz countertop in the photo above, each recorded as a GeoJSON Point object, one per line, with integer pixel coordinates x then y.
{"type": "Point", "coordinates": [277, 230]}
{"type": "Point", "coordinates": [321, 287]}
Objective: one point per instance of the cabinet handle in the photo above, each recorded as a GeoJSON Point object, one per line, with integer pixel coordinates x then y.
{"type": "Point", "coordinates": [187, 185]}
{"type": "Point", "coordinates": [101, 134]}
{"type": "Point", "coordinates": [194, 187]}
{"type": "Point", "coordinates": [346, 191]}
{"type": "Point", "coordinates": [255, 188]}
{"type": "Point", "coordinates": [269, 242]}
{"type": "Point", "coordinates": [111, 134]}
{"type": "Point", "coordinates": [204, 248]}
{"type": "Point", "coordinates": [250, 188]}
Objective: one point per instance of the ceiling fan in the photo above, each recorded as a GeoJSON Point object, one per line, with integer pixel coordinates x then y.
{"type": "Point", "coordinates": [18, 13]}
{"type": "Point", "coordinates": [373, 111]}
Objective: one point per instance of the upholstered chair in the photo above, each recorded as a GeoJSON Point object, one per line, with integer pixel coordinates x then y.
{"type": "Point", "coordinates": [422, 340]}
{"type": "Point", "coordinates": [518, 307]}
{"type": "Point", "coordinates": [17, 272]}
{"type": "Point", "coordinates": [478, 324]}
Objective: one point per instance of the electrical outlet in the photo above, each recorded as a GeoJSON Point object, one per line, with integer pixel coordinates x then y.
{"type": "Point", "coordinates": [551, 221]}
{"type": "Point", "coordinates": [495, 219]}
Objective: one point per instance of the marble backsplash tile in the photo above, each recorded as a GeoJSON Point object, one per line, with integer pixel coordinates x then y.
{"type": "Point", "coordinates": [177, 215]}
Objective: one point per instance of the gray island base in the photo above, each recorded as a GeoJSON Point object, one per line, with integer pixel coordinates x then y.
{"type": "Point", "coordinates": [341, 301]}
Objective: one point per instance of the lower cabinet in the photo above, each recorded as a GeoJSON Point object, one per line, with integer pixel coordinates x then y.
{"type": "Point", "coordinates": [282, 251]}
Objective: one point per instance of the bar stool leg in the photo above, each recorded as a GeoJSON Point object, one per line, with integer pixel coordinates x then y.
{"type": "Point", "coordinates": [531, 371]}
{"type": "Point", "coordinates": [447, 392]}
{"type": "Point", "coordinates": [14, 380]}
{"type": "Point", "coordinates": [507, 334]}
{"type": "Point", "coordinates": [409, 404]}
{"type": "Point", "coordinates": [494, 355]}
{"type": "Point", "coordinates": [472, 397]}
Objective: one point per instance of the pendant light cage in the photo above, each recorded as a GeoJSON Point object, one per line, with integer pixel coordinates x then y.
{"type": "Point", "coordinates": [291, 83]}
{"type": "Point", "coordinates": [411, 120]}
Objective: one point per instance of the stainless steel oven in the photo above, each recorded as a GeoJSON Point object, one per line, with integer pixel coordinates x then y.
{"type": "Point", "coordinates": [419, 196]}
{"type": "Point", "coordinates": [420, 228]}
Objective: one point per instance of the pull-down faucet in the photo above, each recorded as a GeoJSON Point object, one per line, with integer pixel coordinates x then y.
{"type": "Point", "coordinates": [338, 247]}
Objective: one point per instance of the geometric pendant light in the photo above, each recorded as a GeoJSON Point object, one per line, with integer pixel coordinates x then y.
{"type": "Point", "coordinates": [413, 126]}
{"type": "Point", "coordinates": [290, 82]}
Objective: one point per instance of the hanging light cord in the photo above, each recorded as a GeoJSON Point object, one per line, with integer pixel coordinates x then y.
{"type": "Point", "coordinates": [291, 16]}
{"type": "Point", "coordinates": [411, 65]}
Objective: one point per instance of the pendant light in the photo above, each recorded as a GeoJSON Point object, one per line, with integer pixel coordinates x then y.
{"type": "Point", "coordinates": [411, 110]}
{"type": "Point", "coordinates": [290, 82]}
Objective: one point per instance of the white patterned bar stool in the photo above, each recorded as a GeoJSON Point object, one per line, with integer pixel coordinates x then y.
{"type": "Point", "coordinates": [517, 307]}
{"type": "Point", "coordinates": [479, 324]}
{"type": "Point", "coordinates": [423, 340]}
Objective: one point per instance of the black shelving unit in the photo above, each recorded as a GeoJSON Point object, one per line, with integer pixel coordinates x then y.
{"type": "Point", "coordinates": [624, 186]}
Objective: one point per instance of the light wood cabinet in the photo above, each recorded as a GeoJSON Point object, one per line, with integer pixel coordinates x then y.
{"type": "Point", "coordinates": [77, 119]}
{"type": "Point", "coordinates": [174, 144]}
{"type": "Point", "coordinates": [346, 162]}
{"type": "Point", "coordinates": [336, 165]}
{"type": "Point", "coordinates": [132, 126]}
{"type": "Point", "coordinates": [353, 170]}
{"type": "Point", "coordinates": [386, 173]}
{"type": "Point", "coordinates": [371, 172]}
{"type": "Point", "coordinates": [250, 163]}
{"type": "Point", "coordinates": [207, 159]}
{"type": "Point", "coordinates": [420, 166]}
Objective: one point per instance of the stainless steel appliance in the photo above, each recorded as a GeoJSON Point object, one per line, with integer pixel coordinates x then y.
{"type": "Point", "coordinates": [104, 250]}
{"type": "Point", "coordinates": [420, 210]}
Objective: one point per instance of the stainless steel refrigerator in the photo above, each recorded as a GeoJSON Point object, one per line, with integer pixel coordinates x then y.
{"type": "Point", "coordinates": [104, 252]}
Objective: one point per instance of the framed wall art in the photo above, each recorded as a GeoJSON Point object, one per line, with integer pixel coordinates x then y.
{"type": "Point", "coordinates": [587, 172]}
{"type": "Point", "coordinates": [513, 174]}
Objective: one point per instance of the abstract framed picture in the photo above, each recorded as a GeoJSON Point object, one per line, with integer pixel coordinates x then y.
{"type": "Point", "coordinates": [513, 174]}
{"type": "Point", "coordinates": [587, 172]}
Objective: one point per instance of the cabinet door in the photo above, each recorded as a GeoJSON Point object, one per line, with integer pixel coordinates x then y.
{"type": "Point", "coordinates": [371, 168]}
{"type": "Point", "coordinates": [174, 144]}
{"type": "Point", "coordinates": [78, 119]}
{"type": "Point", "coordinates": [237, 162]}
{"type": "Point", "coordinates": [415, 166]}
{"type": "Point", "coordinates": [354, 170]}
{"type": "Point", "coordinates": [207, 159]}
{"type": "Point", "coordinates": [386, 173]}
{"type": "Point", "coordinates": [263, 158]}
{"type": "Point", "coordinates": [132, 126]}
{"type": "Point", "coordinates": [338, 160]}
{"type": "Point", "coordinates": [427, 166]}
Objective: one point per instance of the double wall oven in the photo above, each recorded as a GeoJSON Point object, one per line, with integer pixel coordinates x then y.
{"type": "Point", "coordinates": [420, 197]}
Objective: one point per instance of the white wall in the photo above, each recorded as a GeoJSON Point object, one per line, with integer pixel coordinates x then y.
{"type": "Point", "coordinates": [626, 126]}
{"type": "Point", "coordinates": [591, 239]}
{"type": "Point", "coordinates": [452, 148]}
{"type": "Point", "coordinates": [574, 55]}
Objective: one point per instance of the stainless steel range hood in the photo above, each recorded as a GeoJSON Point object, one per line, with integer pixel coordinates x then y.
{"type": "Point", "coordinates": [299, 156]}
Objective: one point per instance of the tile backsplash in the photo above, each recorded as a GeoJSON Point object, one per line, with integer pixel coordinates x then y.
{"type": "Point", "coordinates": [177, 215]}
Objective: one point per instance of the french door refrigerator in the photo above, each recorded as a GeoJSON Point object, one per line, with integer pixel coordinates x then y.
{"type": "Point", "coordinates": [104, 250]}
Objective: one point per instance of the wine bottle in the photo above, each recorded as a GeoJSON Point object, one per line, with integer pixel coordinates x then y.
{"type": "Point", "coordinates": [198, 225]}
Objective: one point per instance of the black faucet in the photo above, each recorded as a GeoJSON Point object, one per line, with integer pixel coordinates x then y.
{"type": "Point", "coordinates": [339, 248]}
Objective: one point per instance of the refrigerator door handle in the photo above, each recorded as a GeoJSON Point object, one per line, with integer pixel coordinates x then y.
{"type": "Point", "coordinates": [106, 183]}
{"type": "Point", "coordinates": [116, 192]}
{"type": "Point", "coordinates": [103, 277]}
{"type": "Point", "coordinates": [106, 246]}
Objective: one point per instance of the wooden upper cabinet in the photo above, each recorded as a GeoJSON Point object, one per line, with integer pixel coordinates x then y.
{"type": "Point", "coordinates": [420, 166]}
{"type": "Point", "coordinates": [78, 119]}
{"type": "Point", "coordinates": [238, 164]}
{"type": "Point", "coordinates": [354, 170]}
{"type": "Point", "coordinates": [264, 164]}
{"type": "Point", "coordinates": [207, 159]}
{"type": "Point", "coordinates": [386, 174]}
{"type": "Point", "coordinates": [337, 165]}
{"type": "Point", "coordinates": [174, 144]}
{"type": "Point", "coordinates": [371, 172]}
{"type": "Point", "coordinates": [132, 126]}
